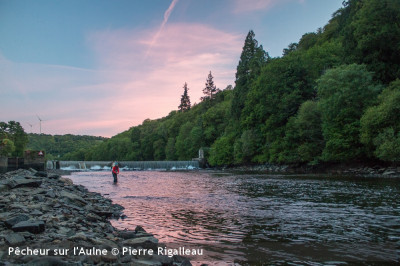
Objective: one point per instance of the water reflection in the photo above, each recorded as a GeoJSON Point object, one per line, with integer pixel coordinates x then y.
{"type": "Point", "coordinates": [257, 218]}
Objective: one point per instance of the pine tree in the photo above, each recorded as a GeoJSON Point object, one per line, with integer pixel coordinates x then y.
{"type": "Point", "coordinates": [210, 90]}
{"type": "Point", "coordinates": [185, 100]}
{"type": "Point", "coordinates": [252, 59]}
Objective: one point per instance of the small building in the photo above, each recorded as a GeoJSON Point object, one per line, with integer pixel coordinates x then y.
{"type": "Point", "coordinates": [34, 159]}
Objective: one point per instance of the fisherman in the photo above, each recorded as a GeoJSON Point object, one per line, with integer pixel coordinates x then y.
{"type": "Point", "coordinates": [115, 172]}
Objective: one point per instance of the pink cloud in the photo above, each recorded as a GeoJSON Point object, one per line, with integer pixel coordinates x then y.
{"type": "Point", "coordinates": [255, 5]}
{"type": "Point", "coordinates": [126, 87]}
{"type": "Point", "coordinates": [182, 53]}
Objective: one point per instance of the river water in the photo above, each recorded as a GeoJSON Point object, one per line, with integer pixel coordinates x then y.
{"type": "Point", "coordinates": [257, 218]}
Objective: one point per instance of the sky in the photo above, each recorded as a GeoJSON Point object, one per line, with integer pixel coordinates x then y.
{"type": "Point", "coordinates": [99, 67]}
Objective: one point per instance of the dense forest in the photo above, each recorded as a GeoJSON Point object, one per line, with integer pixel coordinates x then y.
{"type": "Point", "coordinates": [62, 147]}
{"type": "Point", "coordinates": [334, 96]}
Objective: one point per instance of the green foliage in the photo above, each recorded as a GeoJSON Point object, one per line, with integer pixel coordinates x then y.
{"type": "Point", "coordinates": [246, 146]}
{"type": "Point", "coordinates": [14, 132]}
{"type": "Point", "coordinates": [372, 37]}
{"type": "Point", "coordinates": [210, 90]}
{"type": "Point", "coordinates": [316, 102]}
{"type": "Point", "coordinates": [345, 93]}
{"type": "Point", "coordinates": [7, 147]}
{"type": "Point", "coordinates": [185, 99]}
{"type": "Point", "coordinates": [303, 140]}
{"type": "Point", "coordinates": [252, 59]}
{"type": "Point", "coordinates": [380, 125]}
{"type": "Point", "coordinates": [63, 147]}
{"type": "Point", "coordinates": [221, 152]}
{"type": "Point", "coordinates": [170, 150]}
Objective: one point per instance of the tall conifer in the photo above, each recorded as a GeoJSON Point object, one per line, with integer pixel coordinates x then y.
{"type": "Point", "coordinates": [252, 59]}
{"type": "Point", "coordinates": [210, 90]}
{"type": "Point", "coordinates": [185, 100]}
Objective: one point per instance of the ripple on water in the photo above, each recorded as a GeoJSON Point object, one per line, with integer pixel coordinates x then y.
{"type": "Point", "coordinates": [257, 218]}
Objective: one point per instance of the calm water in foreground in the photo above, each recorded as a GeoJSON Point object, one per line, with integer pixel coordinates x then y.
{"type": "Point", "coordinates": [253, 218]}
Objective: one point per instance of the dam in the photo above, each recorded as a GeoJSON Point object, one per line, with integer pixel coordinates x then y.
{"type": "Point", "coordinates": [125, 165]}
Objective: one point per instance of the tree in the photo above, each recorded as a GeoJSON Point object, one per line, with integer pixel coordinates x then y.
{"type": "Point", "coordinates": [372, 37]}
{"type": "Point", "coordinates": [221, 152]}
{"type": "Point", "coordinates": [252, 59]}
{"type": "Point", "coordinates": [170, 149]}
{"type": "Point", "coordinates": [210, 90]}
{"type": "Point", "coordinates": [303, 137]}
{"type": "Point", "coordinates": [6, 147]}
{"type": "Point", "coordinates": [14, 132]}
{"type": "Point", "coordinates": [185, 100]}
{"type": "Point", "coordinates": [380, 125]}
{"type": "Point", "coordinates": [345, 93]}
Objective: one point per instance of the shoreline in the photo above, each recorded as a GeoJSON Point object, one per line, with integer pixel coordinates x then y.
{"type": "Point", "coordinates": [46, 219]}
{"type": "Point", "coordinates": [374, 170]}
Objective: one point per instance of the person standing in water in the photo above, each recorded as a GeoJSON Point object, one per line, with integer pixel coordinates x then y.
{"type": "Point", "coordinates": [115, 172]}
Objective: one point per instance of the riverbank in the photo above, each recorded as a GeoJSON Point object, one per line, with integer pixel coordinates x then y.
{"type": "Point", "coordinates": [348, 169]}
{"type": "Point", "coordinates": [47, 220]}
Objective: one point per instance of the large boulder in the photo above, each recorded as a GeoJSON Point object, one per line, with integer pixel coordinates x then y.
{"type": "Point", "coordinates": [12, 220]}
{"type": "Point", "coordinates": [73, 198]}
{"type": "Point", "coordinates": [34, 227]}
{"type": "Point", "coordinates": [24, 182]}
{"type": "Point", "coordinates": [14, 239]}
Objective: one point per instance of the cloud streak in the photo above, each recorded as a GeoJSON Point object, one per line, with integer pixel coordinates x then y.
{"type": "Point", "coordinates": [125, 88]}
{"type": "Point", "coordinates": [166, 17]}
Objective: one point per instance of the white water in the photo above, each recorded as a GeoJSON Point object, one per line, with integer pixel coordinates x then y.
{"type": "Point", "coordinates": [128, 165]}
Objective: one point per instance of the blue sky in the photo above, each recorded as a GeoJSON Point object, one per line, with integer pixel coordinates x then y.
{"type": "Point", "coordinates": [100, 67]}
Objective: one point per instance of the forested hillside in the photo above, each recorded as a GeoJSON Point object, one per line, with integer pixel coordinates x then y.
{"type": "Point", "coordinates": [334, 96]}
{"type": "Point", "coordinates": [63, 147]}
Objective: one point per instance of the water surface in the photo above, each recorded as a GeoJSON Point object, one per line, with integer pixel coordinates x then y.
{"type": "Point", "coordinates": [254, 218]}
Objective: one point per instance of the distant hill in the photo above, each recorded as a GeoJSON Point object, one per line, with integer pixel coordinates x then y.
{"type": "Point", "coordinates": [63, 147]}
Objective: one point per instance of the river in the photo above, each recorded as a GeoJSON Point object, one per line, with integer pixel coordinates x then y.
{"type": "Point", "coordinates": [256, 218]}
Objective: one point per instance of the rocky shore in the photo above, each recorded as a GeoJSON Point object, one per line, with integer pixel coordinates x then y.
{"type": "Point", "coordinates": [47, 220]}
{"type": "Point", "coordinates": [351, 169]}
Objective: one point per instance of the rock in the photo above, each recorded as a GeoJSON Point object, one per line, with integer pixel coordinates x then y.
{"type": "Point", "coordinates": [24, 182]}
{"type": "Point", "coordinates": [14, 239]}
{"type": "Point", "coordinates": [47, 261]}
{"type": "Point", "coordinates": [33, 171]}
{"type": "Point", "coordinates": [139, 229]}
{"type": "Point", "coordinates": [71, 216]}
{"type": "Point", "coordinates": [78, 236]}
{"type": "Point", "coordinates": [73, 198]}
{"type": "Point", "coordinates": [3, 187]}
{"type": "Point", "coordinates": [91, 217]}
{"type": "Point", "coordinates": [182, 260]}
{"type": "Point", "coordinates": [39, 198]}
{"type": "Point", "coordinates": [146, 263]}
{"type": "Point", "coordinates": [388, 172]}
{"type": "Point", "coordinates": [108, 258]}
{"type": "Point", "coordinates": [149, 242]}
{"type": "Point", "coordinates": [10, 222]}
{"type": "Point", "coordinates": [66, 181]}
{"type": "Point", "coordinates": [127, 234]}
{"type": "Point", "coordinates": [40, 174]}
{"type": "Point", "coordinates": [53, 176]}
{"type": "Point", "coordinates": [34, 227]}
{"type": "Point", "coordinates": [50, 194]}
{"type": "Point", "coordinates": [126, 259]}
{"type": "Point", "coordinates": [165, 260]}
{"type": "Point", "coordinates": [103, 213]}
{"type": "Point", "coordinates": [36, 212]}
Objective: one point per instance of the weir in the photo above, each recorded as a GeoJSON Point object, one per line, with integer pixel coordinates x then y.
{"type": "Point", "coordinates": [129, 165]}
